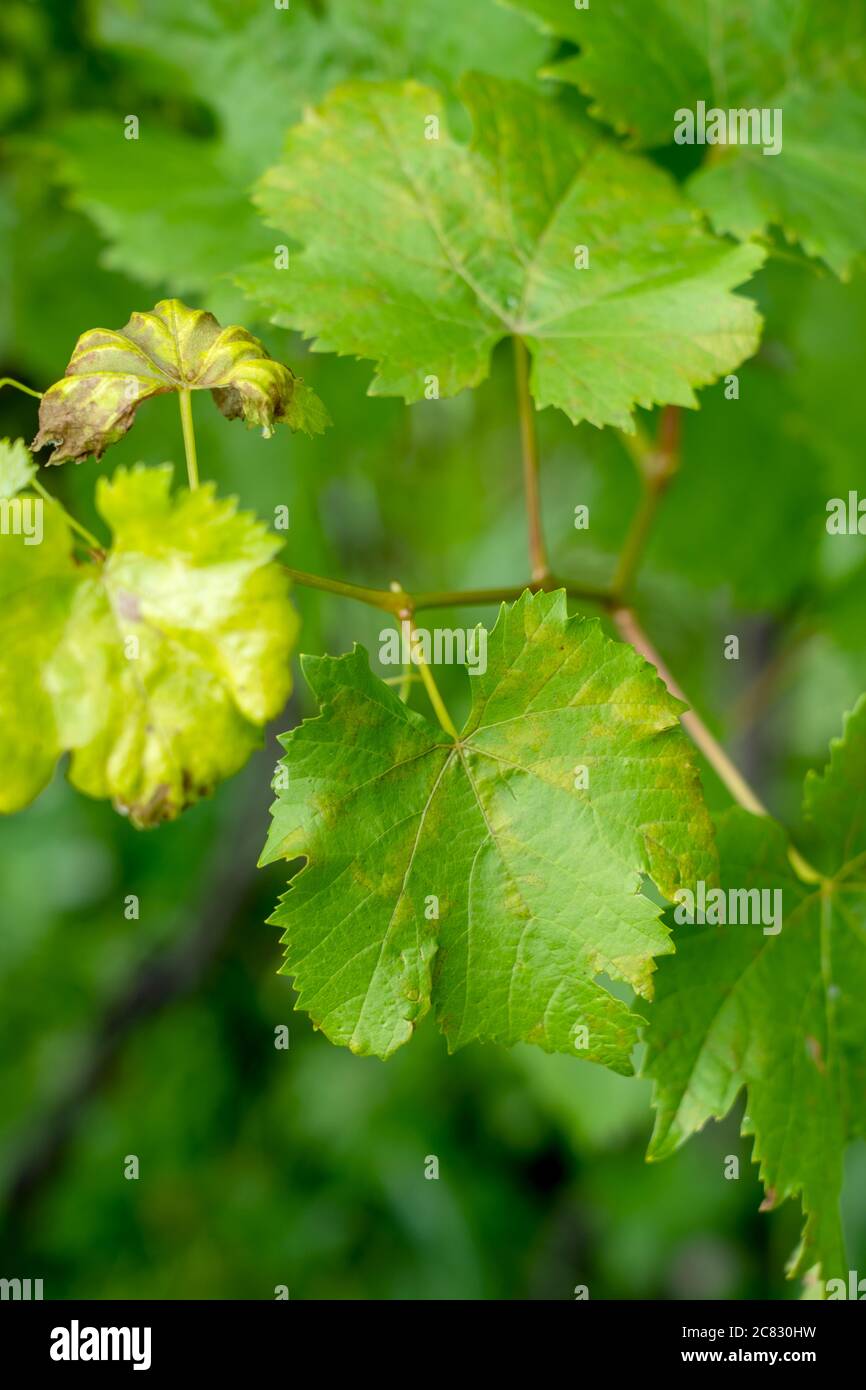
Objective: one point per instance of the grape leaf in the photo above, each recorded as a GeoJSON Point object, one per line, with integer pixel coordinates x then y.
{"type": "Point", "coordinates": [472, 876]}
{"type": "Point", "coordinates": [815, 189]}
{"type": "Point", "coordinates": [37, 588]}
{"type": "Point", "coordinates": [779, 1015]}
{"type": "Point", "coordinates": [163, 201]}
{"type": "Point", "coordinates": [640, 65]}
{"type": "Point", "coordinates": [171, 348]}
{"type": "Point", "coordinates": [17, 469]}
{"type": "Point", "coordinates": [424, 253]}
{"type": "Point", "coordinates": [155, 669]}
{"type": "Point", "coordinates": [257, 66]}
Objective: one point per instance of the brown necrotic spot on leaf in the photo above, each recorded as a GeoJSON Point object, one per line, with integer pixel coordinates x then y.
{"type": "Point", "coordinates": [170, 348]}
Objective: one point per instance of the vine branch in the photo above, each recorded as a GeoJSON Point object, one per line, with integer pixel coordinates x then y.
{"type": "Point", "coordinates": [398, 601]}
{"type": "Point", "coordinates": [629, 628]}
{"type": "Point", "coordinates": [656, 465]}
{"type": "Point", "coordinates": [728, 773]}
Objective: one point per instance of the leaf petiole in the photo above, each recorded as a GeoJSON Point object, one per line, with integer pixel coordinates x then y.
{"type": "Point", "coordinates": [529, 452]}
{"type": "Point", "coordinates": [19, 386]}
{"type": "Point", "coordinates": [184, 397]}
{"type": "Point", "coordinates": [406, 679]}
{"type": "Point", "coordinates": [86, 535]}
{"type": "Point", "coordinates": [805, 871]}
{"type": "Point", "coordinates": [445, 720]}
{"type": "Point", "coordinates": [436, 700]}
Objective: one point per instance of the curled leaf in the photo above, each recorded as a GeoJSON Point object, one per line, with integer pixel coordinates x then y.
{"type": "Point", "coordinates": [169, 348]}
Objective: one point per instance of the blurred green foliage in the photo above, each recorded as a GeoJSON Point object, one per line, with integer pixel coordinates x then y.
{"type": "Point", "coordinates": [305, 1167]}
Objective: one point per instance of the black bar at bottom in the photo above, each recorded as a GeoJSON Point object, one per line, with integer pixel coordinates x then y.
{"type": "Point", "coordinates": [86, 1339]}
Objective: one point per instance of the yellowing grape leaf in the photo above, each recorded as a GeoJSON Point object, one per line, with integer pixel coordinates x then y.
{"type": "Point", "coordinates": [156, 669]}
{"type": "Point", "coordinates": [170, 348]}
{"type": "Point", "coordinates": [485, 878]}
{"type": "Point", "coordinates": [38, 583]}
{"type": "Point", "coordinates": [779, 1013]}
{"type": "Point", "coordinates": [423, 253]}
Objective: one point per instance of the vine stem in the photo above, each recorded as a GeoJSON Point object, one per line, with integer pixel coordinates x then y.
{"type": "Point", "coordinates": [86, 535]}
{"type": "Point", "coordinates": [397, 600]}
{"type": "Point", "coordinates": [656, 465]}
{"type": "Point", "coordinates": [184, 397]}
{"type": "Point", "coordinates": [529, 451]}
{"type": "Point", "coordinates": [19, 386]}
{"type": "Point", "coordinates": [629, 628]}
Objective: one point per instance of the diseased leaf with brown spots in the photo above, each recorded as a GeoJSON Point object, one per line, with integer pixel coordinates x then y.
{"type": "Point", "coordinates": [170, 348]}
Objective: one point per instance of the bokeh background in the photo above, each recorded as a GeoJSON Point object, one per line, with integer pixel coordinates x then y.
{"type": "Point", "coordinates": [155, 1036]}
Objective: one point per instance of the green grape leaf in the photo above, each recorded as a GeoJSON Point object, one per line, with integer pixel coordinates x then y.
{"type": "Point", "coordinates": [474, 877]}
{"type": "Point", "coordinates": [170, 348]}
{"type": "Point", "coordinates": [440, 250]}
{"type": "Point", "coordinates": [638, 66]}
{"type": "Point", "coordinates": [154, 669]}
{"type": "Point", "coordinates": [641, 65]}
{"type": "Point", "coordinates": [814, 190]}
{"type": "Point", "coordinates": [17, 469]}
{"type": "Point", "coordinates": [779, 1014]}
{"type": "Point", "coordinates": [257, 66]}
{"type": "Point", "coordinates": [163, 200]}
